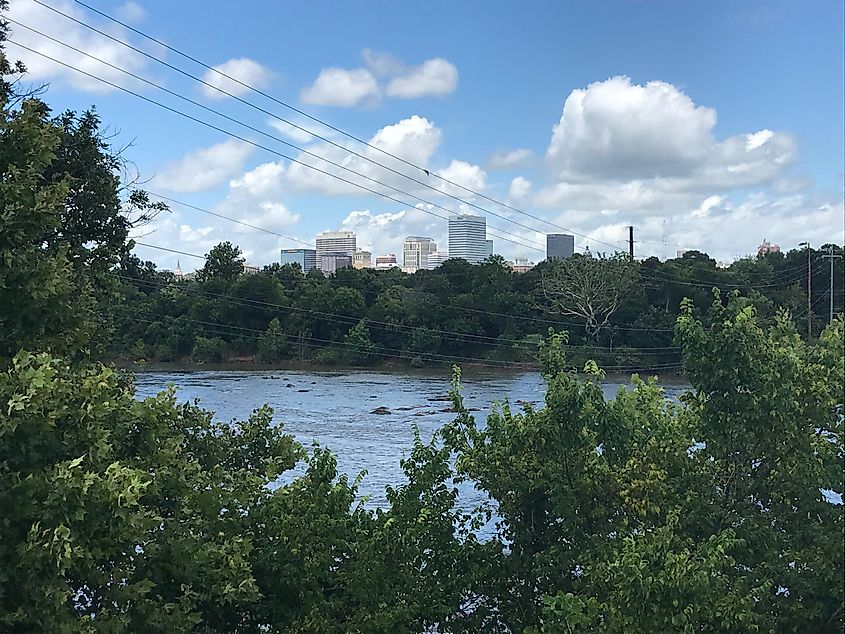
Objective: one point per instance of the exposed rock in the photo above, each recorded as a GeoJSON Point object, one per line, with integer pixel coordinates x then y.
{"type": "Point", "coordinates": [381, 410]}
{"type": "Point", "coordinates": [303, 390]}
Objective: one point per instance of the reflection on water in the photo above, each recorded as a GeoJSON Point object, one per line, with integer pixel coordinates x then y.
{"type": "Point", "coordinates": [337, 409]}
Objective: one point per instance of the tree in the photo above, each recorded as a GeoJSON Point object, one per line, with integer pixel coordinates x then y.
{"type": "Point", "coordinates": [589, 288]}
{"type": "Point", "coordinates": [224, 263]}
{"type": "Point", "coordinates": [273, 344]}
{"type": "Point", "coordinates": [634, 514]}
{"type": "Point", "coordinates": [358, 346]}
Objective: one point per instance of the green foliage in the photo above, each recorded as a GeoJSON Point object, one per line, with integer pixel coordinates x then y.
{"type": "Point", "coordinates": [120, 514]}
{"type": "Point", "coordinates": [273, 345]}
{"type": "Point", "coordinates": [359, 348]}
{"type": "Point", "coordinates": [223, 263]}
{"type": "Point", "coordinates": [636, 515]}
{"type": "Point", "coordinates": [209, 349]}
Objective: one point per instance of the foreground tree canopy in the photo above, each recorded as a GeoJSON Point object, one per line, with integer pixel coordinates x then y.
{"type": "Point", "coordinates": [719, 513]}
{"type": "Point", "coordinates": [628, 515]}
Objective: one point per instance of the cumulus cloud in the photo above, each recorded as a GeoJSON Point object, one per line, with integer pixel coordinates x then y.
{"type": "Point", "coordinates": [505, 159]}
{"type": "Point", "coordinates": [386, 232]}
{"type": "Point", "coordinates": [383, 75]}
{"type": "Point", "coordinates": [616, 130]}
{"type": "Point", "coordinates": [464, 174]}
{"type": "Point", "coordinates": [519, 188]}
{"type": "Point", "coordinates": [647, 154]}
{"type": "Point", "coordinates": [433, 78]}
{"type": "Point", "coordinates": [243, 69]}
{"type": "Point", "coordinates": [205, 168]}
{"type": "Point", "coordinates": [254, 197]}
{"type": "Point", "coordinates": [414, 139]}
{"type": "Point", "coordinates": [341, 87]}
{"type": "Point", "coordinates": [40, 69]}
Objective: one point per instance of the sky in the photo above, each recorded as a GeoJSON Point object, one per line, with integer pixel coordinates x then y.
{"type": "Point", "coordinates": [705, 125]}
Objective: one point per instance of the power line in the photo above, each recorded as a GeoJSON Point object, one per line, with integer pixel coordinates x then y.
{"type": "Point", "coordinates": [348, 319]}
{"type": "Point", "coordinates": [538, 247]}
{"type": "Point", "coordinates": [275, 152]}
{"type": "Point", "coordinates": [397, 353]}
{"type": "Point", "coordinates": [464, 308]}
{"type": "Point", "coordinates": [419, 168]}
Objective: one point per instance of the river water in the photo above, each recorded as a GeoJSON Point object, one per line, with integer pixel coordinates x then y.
{"type": "Point", "coordinates": [336, 409]}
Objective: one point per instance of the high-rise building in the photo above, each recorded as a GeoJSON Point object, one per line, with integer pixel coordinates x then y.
{"type": "Point", "coordinates": [468, 238]}
{"type": "Point", "coordinates": [559, 246]}
{"type": "Point", "coordinates": [436, 259]}
{"type": "Point", "coordinates": [305, 258]}
{"type": "Point", "coordinates": [330, 263]}
{"type": "Point", "coordinates": [335, 242]}
{"type": "Point", "coordinates": [386, 261]}
{"type": "Point", "coordinates": [362, 259]}
{"type": "Point", "coordinates": [488, 248]}
{"type": "Point", "coordinates": [416, 251]}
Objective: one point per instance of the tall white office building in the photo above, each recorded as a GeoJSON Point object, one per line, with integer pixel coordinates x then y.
{"type": "Point", "coordinates": [416, 251]}
{"type": "Point", "coordinates": [468, 238]}
{"type": "Point", "coordinates": [335, 243]}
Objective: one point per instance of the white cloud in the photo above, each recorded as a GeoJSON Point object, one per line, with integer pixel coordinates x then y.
{"type": "Point", "coordinates": [434, 77]}
{"type": "Point", "coordinates": [243, 69]}
{"type": "Point", "coordinates": [262, 181]}
{"type": "Point", "coordinates": [348, 87]}
{"type": "Point", "coordinates": [505, 159]}
{"type": "Point", "coordinates": [706, 206]}
{"type": "Point", "coordinates": [131, 12]}
{"type": "Point", "coordinates": [519, 188]}
{"type": "Point", "coordinates": [464, 174]}
{"type": "Point", "coordinates": [41, 69]}
{"type": "Point", "coordinates": [385, 232]}
{"type": "Point", "coordinates": [205, 168]}
{"type": "Point", "coordinates": [414, 139]}
{"type": "Point", "coordinates": [616, 130]}
{"type": "Point", "coordinates": [341, 87]}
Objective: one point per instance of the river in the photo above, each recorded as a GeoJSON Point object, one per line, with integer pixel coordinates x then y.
{"type": "Point", "coordinates": [336, 409]}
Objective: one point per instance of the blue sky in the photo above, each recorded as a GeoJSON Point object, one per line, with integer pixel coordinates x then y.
{"type": "Point", "coordinates": [715, 124]}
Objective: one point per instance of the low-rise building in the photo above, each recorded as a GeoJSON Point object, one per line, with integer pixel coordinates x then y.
{"type": "Point", "coordinates": [767, 247]}
{"type": "Point", "coordinates": [331, 263]}
{"type": "Point", "coordinates": [387, 261]}
{"type": "Point", "coordinates": [362, 259]}
{"type": "Point", "coordinates": [521, 265]}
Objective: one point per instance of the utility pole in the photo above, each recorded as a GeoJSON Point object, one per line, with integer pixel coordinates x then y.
{"type": "Point", "coordinates": [809, 290]}
{"type": "Point", "coordinates": [830, 256]}
{"type": "Point", "coordinates": [631, 242]}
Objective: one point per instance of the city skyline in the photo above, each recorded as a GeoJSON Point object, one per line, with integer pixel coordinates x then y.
{"type": "Point", "coordinates": [679, 146]}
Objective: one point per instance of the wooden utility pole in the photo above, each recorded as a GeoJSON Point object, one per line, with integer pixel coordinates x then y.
{"type": "Point", "coordinates": [631, 242]}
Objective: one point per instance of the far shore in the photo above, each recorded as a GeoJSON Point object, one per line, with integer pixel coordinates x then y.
{"type": "Point", "coordinates": [390, 367]}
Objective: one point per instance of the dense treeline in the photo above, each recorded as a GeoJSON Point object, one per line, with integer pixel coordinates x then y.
{"type": "Point", "coordinates": [457, 312]}
{"type": "Point", "coordinates": [720, 513]}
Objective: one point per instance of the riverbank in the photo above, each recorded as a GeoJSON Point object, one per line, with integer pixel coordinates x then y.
{"type": "Point", "coordinates": [398, 367]}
